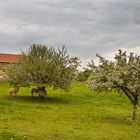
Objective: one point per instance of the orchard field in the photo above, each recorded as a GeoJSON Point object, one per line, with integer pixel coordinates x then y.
{"type": "Point", "coordinates": [78, 115]}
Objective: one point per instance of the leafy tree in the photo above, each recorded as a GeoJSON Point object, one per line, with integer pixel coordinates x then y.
{"type": "Point", "coordinates": [122, 74]}
{"type": "Point", "coordinates": [83, 75]}
{"type": "Point", "coordinates": [44, 65]}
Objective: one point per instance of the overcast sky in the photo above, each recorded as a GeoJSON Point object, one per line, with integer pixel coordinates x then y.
{"type": "Point", "coordinates": [85, 27]}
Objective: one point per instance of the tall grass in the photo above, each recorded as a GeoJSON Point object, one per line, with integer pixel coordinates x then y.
{"type": "Point", "coordinates": [78, 115]}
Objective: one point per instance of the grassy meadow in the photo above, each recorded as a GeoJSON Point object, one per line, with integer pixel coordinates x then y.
{"type": "Point", "coordinates": [78, 115]}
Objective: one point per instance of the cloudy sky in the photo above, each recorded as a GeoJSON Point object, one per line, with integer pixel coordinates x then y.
{"type": "Point", "coordinates": [85, 27]}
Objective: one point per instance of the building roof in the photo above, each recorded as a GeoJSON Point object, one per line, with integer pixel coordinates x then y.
{"type": "Point", "coordinates": [9, 58]}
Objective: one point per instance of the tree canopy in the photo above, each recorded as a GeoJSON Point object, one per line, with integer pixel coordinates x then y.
{"type": "Point", "coordinates": [44, 65]}
{"type": "Point", "coordinates": [122, 74]}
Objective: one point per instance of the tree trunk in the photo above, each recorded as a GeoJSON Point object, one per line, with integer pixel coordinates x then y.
{"type": "Point", "coordinates": [134, 113]}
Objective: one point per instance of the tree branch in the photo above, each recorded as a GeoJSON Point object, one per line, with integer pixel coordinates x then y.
{"type": "Point", "coordinates": [126, 93]}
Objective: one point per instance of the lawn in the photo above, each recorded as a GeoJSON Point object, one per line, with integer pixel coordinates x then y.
{"type": "Point", "coordinates": [78, 115]}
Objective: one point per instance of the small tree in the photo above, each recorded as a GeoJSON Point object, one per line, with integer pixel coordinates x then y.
{"type": "Point", "coordinates": [44, 65]}
{"type": "Point", "coordinates": [83, 75]}
{"type": "Point", "coordinates": [122, 74]}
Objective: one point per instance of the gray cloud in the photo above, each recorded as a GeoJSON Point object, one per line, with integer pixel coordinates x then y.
{"type": "Point", "coordinates": [86, 27]}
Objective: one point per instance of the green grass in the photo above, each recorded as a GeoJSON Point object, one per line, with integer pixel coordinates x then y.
{"type": "Point", "coordinates": [78, 115]}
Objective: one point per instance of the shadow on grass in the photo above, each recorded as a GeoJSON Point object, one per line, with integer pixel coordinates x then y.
{"type": "Point", "coordinates": [36, 99]}
{"type": "Point", "coordinates": [120, 120]}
